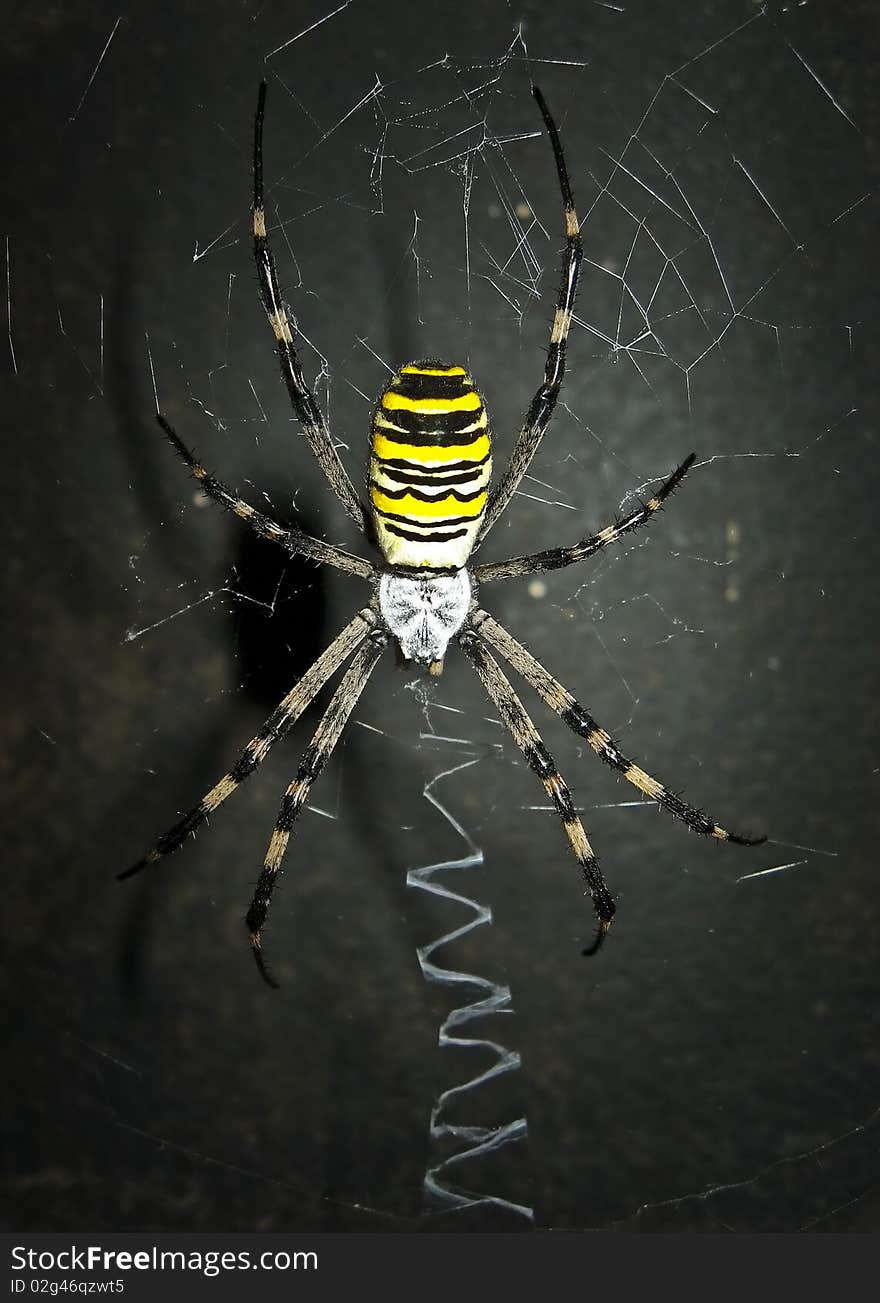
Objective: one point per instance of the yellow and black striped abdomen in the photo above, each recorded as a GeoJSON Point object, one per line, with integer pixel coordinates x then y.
{"type": "Point", "coordinates": [430, 464]}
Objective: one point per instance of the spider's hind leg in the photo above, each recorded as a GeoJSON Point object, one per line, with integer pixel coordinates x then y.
{"type": "Point", "coordinates": [302, 399]}
{"type": "Point", "coordinates": [543, 404]}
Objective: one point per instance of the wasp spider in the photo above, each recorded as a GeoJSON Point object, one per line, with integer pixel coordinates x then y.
{"type": "Point", "coordinates": [430, 507]}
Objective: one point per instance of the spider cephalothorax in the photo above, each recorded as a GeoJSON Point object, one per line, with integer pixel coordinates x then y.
{"type": "Point", "coordinates": [430, 506]}
{"type": "Point", "coordinates": [423, 612]}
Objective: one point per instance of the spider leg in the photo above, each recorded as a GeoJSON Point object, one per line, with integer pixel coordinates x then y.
{"type": "Point", "coordinates": [316, 755]}
{"type": "Point", "coordinates": [581, 722]}
{"type": "Point", "coordinates": [541, 409]}
{"type": "Point", "coordinates": [301, 397]}
{"type": "Point", "coordinates": [516, 718]}
{"type": "Point", "coordinates": [557, 557]}
{"type": "Point", "coordinates": [291, 539]}
{"type": "Point", "coordinates": [279, 722]}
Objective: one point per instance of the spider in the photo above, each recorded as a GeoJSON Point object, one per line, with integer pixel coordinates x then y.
{"type": "Point", "coordinates": [430, 508]}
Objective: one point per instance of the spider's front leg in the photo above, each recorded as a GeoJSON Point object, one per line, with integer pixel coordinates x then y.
{"type": "Point", "coordinates": [581, 722]}
{"type": "Point", "coordinates": [516, 718]}
{"type": "Point", "coordinates": [316, 755]}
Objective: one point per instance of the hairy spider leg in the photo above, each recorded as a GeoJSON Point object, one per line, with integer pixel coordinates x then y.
{"type": "Point", "coordinates": [303, 400]}
{"type": "Point", "coordinates": [555, 558]}
{"type": "Point", "coordinates": [292, 540]}
{"type": "Point", "coordinates": [542, 405]}
{"type": "Point", "coordinates": [560, 700]}
{"type": "Point", "coordinates": [314, 759]}
{"type": "Point", "coordinates": [279, 722]}
{"type": "Point", "coordinates": [516, 718]}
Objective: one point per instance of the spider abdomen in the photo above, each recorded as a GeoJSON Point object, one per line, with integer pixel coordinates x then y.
{"type": "Point", "coordinates": [430, 465]}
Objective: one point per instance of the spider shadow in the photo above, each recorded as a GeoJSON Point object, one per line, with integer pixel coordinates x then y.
{"type": "Point", "coordinates": [279, 626]}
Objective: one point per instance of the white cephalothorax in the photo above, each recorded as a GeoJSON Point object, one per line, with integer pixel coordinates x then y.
{"type": "Point", "coordinates": [423, 614]}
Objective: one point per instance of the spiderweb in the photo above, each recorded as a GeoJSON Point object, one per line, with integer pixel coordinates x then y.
{"type": "Point", "coordinates": [445, 1056]}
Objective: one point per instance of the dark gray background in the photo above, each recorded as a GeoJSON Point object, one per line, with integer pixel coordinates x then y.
{"type": "Point", "coordinates": [716, 1066]}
